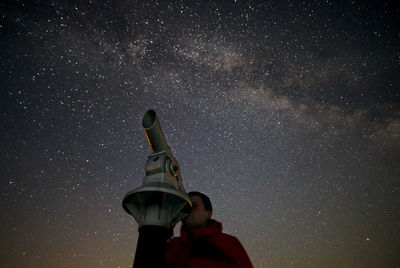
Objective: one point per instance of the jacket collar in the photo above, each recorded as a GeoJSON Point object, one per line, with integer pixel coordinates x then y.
{"type": "Point", "coordinates": [213, 227]}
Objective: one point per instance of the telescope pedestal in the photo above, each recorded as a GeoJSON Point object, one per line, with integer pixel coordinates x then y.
{"type": "Point", "coordinates": [160, 202]}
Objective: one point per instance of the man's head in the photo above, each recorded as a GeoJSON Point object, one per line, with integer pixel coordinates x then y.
{"type": "Point", "coordinates": [201, 211]}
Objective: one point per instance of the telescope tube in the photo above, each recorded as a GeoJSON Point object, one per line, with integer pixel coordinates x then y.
{"type": "Point", "coordinates": [154, 134]}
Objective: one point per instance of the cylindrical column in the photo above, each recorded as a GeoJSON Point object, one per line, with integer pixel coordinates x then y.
{"type": "Point", "coordinates": [151, 246]}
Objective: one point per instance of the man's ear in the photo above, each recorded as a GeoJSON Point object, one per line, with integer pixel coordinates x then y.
{"type": "Point", "coordinates": [209, 213]}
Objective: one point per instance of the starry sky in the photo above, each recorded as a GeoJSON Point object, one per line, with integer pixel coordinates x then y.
{"type": "Point", "coordinates": [286, 113]}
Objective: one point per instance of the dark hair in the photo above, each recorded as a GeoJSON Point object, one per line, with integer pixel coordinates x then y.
{"type": "Point", "coordinates": [204, 198]}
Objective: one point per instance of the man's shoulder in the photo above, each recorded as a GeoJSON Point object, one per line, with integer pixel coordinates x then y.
{"type": "Point", "coordinates": [224, 237]}
{"type": "Point", "coordinates": [221, 237]}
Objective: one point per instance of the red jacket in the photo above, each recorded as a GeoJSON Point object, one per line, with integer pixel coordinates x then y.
{"type": "Point", "coordinates": [206, 247]}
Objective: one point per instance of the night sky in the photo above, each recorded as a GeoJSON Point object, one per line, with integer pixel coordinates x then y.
{"type": "Point", "coordinates": [286, 113]}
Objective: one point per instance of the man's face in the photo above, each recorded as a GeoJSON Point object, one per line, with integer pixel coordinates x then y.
{"type": "Point", "coordinates": [198, 216]}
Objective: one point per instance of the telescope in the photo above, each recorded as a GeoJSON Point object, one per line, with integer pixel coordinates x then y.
{"type": "Point", "coordinates": [161, 201]}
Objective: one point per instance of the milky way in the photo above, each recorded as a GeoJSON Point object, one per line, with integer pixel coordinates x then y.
{"type": "Point", "coordinates": [286, 114]}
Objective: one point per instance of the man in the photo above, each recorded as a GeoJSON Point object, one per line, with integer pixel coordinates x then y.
{"type": "Point", "coordinates": [202, 242]}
